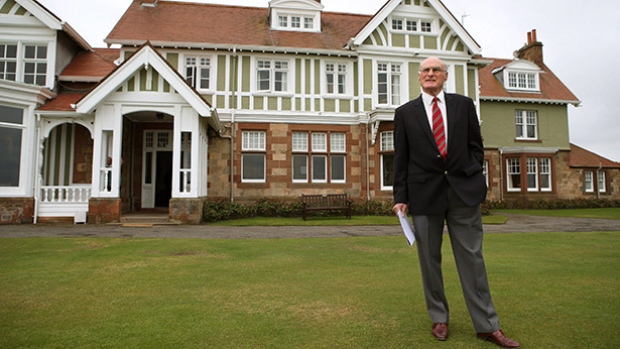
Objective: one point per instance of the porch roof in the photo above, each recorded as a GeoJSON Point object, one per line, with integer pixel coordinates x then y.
{"type": "Point", "coordinates": [581, 157]}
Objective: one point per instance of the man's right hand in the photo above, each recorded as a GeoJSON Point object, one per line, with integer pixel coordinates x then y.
{"type": "Point", "coordinates": [400, 208]}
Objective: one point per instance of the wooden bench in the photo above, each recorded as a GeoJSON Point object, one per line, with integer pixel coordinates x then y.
{"type": "Point", "coordinates": [326, 202]}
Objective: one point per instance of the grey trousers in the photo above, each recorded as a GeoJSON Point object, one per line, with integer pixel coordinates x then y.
{"type": "Point", "coordinates": [465, 231]}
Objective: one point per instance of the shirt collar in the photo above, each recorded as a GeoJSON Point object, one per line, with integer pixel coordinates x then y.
{"type": "Point", "coordinates": [428, 99]}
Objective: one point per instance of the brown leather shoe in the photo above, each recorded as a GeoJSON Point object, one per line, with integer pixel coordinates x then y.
{"type": "Point", "coordinates": [500, 339]}
{"type": "Point", "coordinates": [440, 331]}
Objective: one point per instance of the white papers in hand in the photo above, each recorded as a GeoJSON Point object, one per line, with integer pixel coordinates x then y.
{"type": "Point", "coordinates": [407, 228]}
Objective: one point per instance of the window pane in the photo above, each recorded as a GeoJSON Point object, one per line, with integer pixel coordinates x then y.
{"type": "Point", "coordinates": [30, 52]}
{"type": "Point", "coordinates": [588, 182]}
{"type": "Point", "coordinates": [387, 170]}
{"type": "Point", "coordinates": [253, 140]}
{"type": "Point", "coordinates": [319, 142]}
{"type": "Point", "coordinates": [338, 166]}
{"type": "Point", "coordinates": [205, 75]}
{"type": "Point", "coordinates": [11, 115]}
{"type": "Point", "coordinates": [300, 167]}
{"type": "Point", "coordinates": [387, 141]}
{"type": "Point", "coordinates": [338, 142]}
{"type": "Point", "coordinates": [532, 173]}
{"type": "Point", "coordinates": [319, 168]}
{"type": "Point", "coordinates": [253, 167]}
{"type": "Point", "coordinates": [300, 141]}
{"type": "Point", "coordinates": [514, 174]}
{"type": "Point", "coordinates": [11, 144]}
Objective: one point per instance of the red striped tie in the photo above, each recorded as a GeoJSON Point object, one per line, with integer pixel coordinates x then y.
{"type": "Point", "coordinates": [438, 129]}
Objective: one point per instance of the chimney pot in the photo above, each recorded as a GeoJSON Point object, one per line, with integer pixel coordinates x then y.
{"type": "Point", "coordinates": [534, 35]}
{"type": "Point", "coordinates": [529, 38]}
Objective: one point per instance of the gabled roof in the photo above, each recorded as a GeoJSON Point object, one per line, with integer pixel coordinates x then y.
{"type": "Point", "coordinates": [178, 24]}
{"type": "Point", "coordinates": [441, 9]}
{"type": "Point", "coordinates": [90, 66]}
{"type": "Point", "coordinates": [147, 56]}
{"type": "Point", "coordinates": [52, 21]}
{"type": "Point", "coordinates": [552, 90]}
{"type": "Point", "coordinates": [580, 157]}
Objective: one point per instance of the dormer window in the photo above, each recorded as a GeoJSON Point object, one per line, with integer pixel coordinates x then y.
{"type": "Point", "coordinates": [296, 22]}
{"type": "Point", "coordinates": [519, 75]}
{"type": "Point", "coordinates": [295, 15]}
{"type": "Point", "coordinates": [522, 81]}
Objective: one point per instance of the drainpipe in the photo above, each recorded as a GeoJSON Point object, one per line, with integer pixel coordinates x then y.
{"type": "Point", "coordinates": [231, 137]}
{"type": "Point", "coordinates": [501, 175]}
{"type": "Point", "coordinates": [37, 173]}
{"type": "Point", "coordinates": [367, 159]}
{"type": "Point", "coordinates": [598, 189]}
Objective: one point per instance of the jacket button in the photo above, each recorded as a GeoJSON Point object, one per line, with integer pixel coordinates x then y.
{"type": "Point", "coordinates": [445, 172]}
{"type": "Point", "coordinates": [438, 156]}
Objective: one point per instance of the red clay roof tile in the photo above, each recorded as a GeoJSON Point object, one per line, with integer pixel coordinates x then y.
{"type": "Point", "coordinates": [91, 64]}
{"type": "Point", "coordinates": [551, 88]}
{"type": "Point", "coordinates": [177, 22]}
{"type": "Point", "coordinates": [580, 157]}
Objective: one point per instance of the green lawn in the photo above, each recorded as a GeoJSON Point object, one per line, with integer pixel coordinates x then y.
{"type": "Point", "coordinates": [333, 220]}
{"type": "Point", "coordinates": [552, 290]}
{"type": "Point", "coordinates": [603, 213]}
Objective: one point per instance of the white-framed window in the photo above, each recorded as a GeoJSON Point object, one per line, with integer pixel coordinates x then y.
{"type": "Point", "coordinates": [513, 171]}
{"type": "Point", "coordinates": [412, 25]}
{"type": "Point", "coordinates": [588, 182]}
{"type": "Point", "coordinates": [198, 72]}
{"type": "Point", "coordinates": [523, 81]}
{"type": "Point", "coordinates": [11, 141]}
{"type": "Point", "coordinates": [397, 24]}
{"type": "Point", "coordinates": [426, 26]}
{"type": "Point", "coordinates": [318, 157]}
{"type": "Point", "coordinates": [338, 159]}
{"type": "Point", "coordinates": [545, 174]}
{"type": "Point", "coordinates": [35, 64]}
{"type": "Point", "coordinates": [388, 83]}
{"type": "Point", "coordinates": [601, 182]}
{"type": "Point", "coordinates": [23, 62]}
{"type": "Point", "coordinates": [296, 21]}
{"type": "Point", "coordinates": [532, 174]}
{"type": "Point", "coordinates": [8, 62]}
{"type": "Point", "coordinates": [537, 171]}
{"type": "Point", "coordinates": [526, 122]}
{"type": "Point", "coordinates": [386, 149]}
{"type": "Point", "coordinates": [336, 80]}
{"type": "Point", "coordinates": [272, 75]}
{"type": "Point", "coordinates": [283, 21]}
{"type": "Point", "coordinates": [253, 156]}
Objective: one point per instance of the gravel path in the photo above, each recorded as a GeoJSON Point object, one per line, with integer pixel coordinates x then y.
{"type": "Point", "coordinates": [515, 224]}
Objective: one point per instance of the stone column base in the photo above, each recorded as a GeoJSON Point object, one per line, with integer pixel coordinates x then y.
{"type": "Point", "coordinates": [104, 210]}
{"type": "Point", "coordinates": [186, 211]}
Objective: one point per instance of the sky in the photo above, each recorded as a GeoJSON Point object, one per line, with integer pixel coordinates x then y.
{"type": "Point", "coordinates": [572, 32]}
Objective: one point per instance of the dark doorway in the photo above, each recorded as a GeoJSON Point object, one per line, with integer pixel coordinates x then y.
{"type": "Point", "coordinates": [163, 179]}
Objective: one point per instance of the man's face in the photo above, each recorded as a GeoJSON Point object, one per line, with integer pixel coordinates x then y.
{"type": "Point", "coordinates": [432, 76]}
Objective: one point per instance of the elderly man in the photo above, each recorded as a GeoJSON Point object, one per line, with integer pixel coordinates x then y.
{"type": "Point", "coordinates": [438, 177]}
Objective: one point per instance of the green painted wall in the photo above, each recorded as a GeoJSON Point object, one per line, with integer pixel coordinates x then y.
{"type": "Point", "coordinates": [459, 79]}
{"type": "Point", "coordinates": [414, 84]}
{"type": "Point", "coordinates": [498, 125]}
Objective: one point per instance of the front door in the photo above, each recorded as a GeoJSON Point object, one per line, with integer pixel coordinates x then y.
{"type": "Point", "coordinates": [157, 168]}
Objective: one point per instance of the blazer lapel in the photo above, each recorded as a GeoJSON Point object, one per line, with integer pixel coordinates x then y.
{"type": "Point", "coordinates": [420, 115]}
{"type": "Point", "coordinates": [452, 111]}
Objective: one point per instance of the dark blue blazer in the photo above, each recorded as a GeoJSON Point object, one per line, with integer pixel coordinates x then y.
{"type": "Point", "coordinates": [421, 176]}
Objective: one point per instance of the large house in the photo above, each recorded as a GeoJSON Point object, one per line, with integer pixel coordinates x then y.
{"type": "Point", "coordinates": [212, 102]}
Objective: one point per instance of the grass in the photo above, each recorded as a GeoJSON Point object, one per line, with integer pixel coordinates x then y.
{"type": "Point", "coordinates": [552, 290]}
{"type": "Point", "coordinates": [332, 220]}
{"type": "Point", "coordinates": [602, 213]}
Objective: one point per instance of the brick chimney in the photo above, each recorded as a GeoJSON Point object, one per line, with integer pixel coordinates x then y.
{"type": "Point", "coordinates": [148, 3]}
{"type": "Point", "coordinates": [533, 50]}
